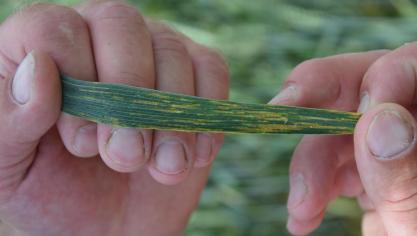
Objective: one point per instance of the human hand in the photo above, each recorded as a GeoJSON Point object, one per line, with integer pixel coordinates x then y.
{"type": "Point", "coordinates": [45, 188]}
{"type": "Point", "coordinates": [379, 164]}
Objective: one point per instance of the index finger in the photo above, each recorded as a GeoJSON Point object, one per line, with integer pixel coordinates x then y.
{"type": "Point", "coordinates": [329, 82]}
{"type": "Point", "coordinates": [62, 33]}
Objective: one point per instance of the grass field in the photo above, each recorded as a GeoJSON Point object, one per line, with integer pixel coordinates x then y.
{"type": "Point", "coordinates": [263, 40]}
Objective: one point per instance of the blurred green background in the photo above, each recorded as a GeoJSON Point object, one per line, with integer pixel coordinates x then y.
{"type": "Point", "coordinates": [263, 40]}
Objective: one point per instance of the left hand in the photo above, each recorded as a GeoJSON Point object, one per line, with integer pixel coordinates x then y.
{"type": "Point", "coordinates": [46, 188]}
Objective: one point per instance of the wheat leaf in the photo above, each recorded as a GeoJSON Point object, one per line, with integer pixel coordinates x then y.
{"type": "Point", "coordinates": [126, 106]}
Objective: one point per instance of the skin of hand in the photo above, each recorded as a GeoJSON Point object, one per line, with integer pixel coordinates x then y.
{"type": "Point", "coordinates": [378, 164]}
{"type": "Point", "coordinates": [61, 175]}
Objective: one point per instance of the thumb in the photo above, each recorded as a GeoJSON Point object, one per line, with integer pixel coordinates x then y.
{"type": "Point", "coordinates": [386, 156]}
{"type": "Point", "coordinates": [30, 100]}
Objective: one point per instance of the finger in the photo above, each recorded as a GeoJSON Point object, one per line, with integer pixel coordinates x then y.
{"type": "Point", "coordinates": [348, 180]}
{"type": "Point", "coordinates": [385, 152]}
{"type": "Point", "coordinates": [29, 106]}
{"type": "Point", "coordinates": [123, 54]}
{"type": "Point", "coordinates": [372, 225]}
{"type": "Point", "coordinates": [300, 227]}
{"type": "Point", "coordinates": [173, 152]}
{"type": "Point", "coordinates": [330, 82]}
{"type": "Point", "coordinates": [211, 81]}
{"type": "Point", "coordinates": [392, 78]}
{"type": "Point", "coordinates": [62, 33]}
{"type": "Point", "coordinates": [365, 203]}
{"type": "Point", "coordinates": [312, 176]}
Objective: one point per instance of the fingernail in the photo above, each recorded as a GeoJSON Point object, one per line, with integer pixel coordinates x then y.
{"type": "Point", "coordinates": [364, 103]}
{"type": "Point", "coordinates": [289, 94]}
{"type": "Point", "coordinates": [22, 81]}
{"type": "Point", "coordinates": [126, 146]}
{"type": "Point", "coordinates": [85, 140]}
{"type": "Point", "coordinates": [170, 158]}
{"type": "Point", "coordinates": [389, 134]}
{"type": "Point", "coordinates": [298, 190]}
{"type": "Point", "coordinates": [204, 148]}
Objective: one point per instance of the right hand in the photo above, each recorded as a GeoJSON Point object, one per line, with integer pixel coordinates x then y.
{"type": "Point", "coordinates": [45, 188]}
{"type": "Point", "coordinates": [378, 165]}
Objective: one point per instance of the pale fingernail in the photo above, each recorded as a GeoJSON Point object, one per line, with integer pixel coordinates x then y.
{"type": "Point", "coordinates": [389, 134]}
{"type": "Point", "coordinates": [288, 95]}
{"type": "Point", "coordinates": [170, 158]}
{"type": "Point", "coordinates": [298, 190]}
{"type": "Point", "coordinates": [22, 81]}
{"type": "Point", "coordinates": [204, 149]}
{"type": "Point", "coordinates": [126, 147]}
{"type": "Point", "coordinates": [364, 103]}
{"type": "Point", "coordinates": [85, 140]}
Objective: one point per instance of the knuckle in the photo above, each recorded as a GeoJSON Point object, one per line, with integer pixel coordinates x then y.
{"type": "Point", "coordinates": [317, 72]}
{"type": "Point", "coordinates": [119, 11]}
{"type": "Point", "coordinates": [375, 77]}
{"type": "Point", "coordinates": [387, 67]}
{"type": "Point", "coordinates": [131, 77]}
{"type": "Point", "coordinates": [378, 65]}
{"type": "Point", "coordinates": [379, 78]}
{"type": "Point", "coordinates": [399, 197]}
{"type": "Point", "coordinates": [312, 67]}
{"type": "Point", "coordinates": [167, 45]}
{"type": "Point", "coordinates": [53, 24]}
{"type": "Point", "coordinates": [214, 63]}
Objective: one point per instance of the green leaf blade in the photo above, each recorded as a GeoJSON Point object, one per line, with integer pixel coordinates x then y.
{"type": "Point", "coordinates": [126, 106]}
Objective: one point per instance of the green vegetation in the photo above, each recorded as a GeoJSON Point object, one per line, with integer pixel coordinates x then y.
{"type": "Point", "coordinates": [263, 40]}
{"type": "Point", "coordinates": [151, 109]}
